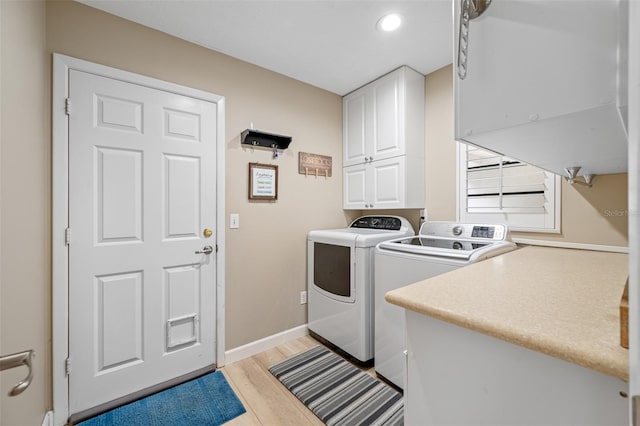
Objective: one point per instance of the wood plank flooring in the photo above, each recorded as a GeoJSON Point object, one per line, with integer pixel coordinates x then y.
{"type": "Point", "coordinates": [266, 400]}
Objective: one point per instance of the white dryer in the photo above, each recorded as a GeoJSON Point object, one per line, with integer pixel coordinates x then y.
{"type": "Point", "coordinates": [340, 277]}
{"type": "Point", "coordinates": [438, 248]}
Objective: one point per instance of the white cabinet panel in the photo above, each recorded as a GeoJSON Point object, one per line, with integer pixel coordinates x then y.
{"type": "Point", "coordinates": [388, 135]}
{"type": "Point", "coordinates": [383, 121]}
{"type": "Point", "coordinates": [457, 376]}
{"type": "Point", "coordinates": [354, 128]}
{"type": "Point", "coordinates": [388, 183]}
{"type": "Point", "coordinates": [393, 183]}
{"type": "Point", "coordinates": [546, 84]}
{"type": "Point", "coordinates": [355, 186]}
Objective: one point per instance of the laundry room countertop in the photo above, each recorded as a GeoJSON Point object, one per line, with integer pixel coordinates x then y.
{"type": "Point", "coordinates": [561, 302]}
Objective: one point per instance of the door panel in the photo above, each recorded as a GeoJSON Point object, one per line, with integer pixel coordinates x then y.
{"type": "Point", "coordinates": [119, 319]}
{"type": "Point", "coordinates": [182, 286]}
{"type": "Point", "coordinates": [182, 125]}
{"type": "Point", "coordinates": [389, 182]}
{"type": "Point", "coordinates": [118, 195]}
{"type": "Point", "coordinates": [142, 184]}
{"type": "Point", "coordinates": [355, 137]}
{"type": "Point", "coordinates": [387, 139]}
{"type": "Point", "coordinates": [355, 186]}
{"type": "Point", "coordinates": [181, 196]}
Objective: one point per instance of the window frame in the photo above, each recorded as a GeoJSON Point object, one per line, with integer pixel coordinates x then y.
{"type": "Point", "coordinates": [549, 222]}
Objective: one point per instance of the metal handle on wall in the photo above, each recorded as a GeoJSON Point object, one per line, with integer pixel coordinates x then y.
{"type": "Point", "coordinates": [16, 360]}
{"type": "Point", "coordinates": [469, 9]}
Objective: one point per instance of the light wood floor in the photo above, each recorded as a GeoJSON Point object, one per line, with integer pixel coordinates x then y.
{"type": "Point", "coordinates": [266, 400]}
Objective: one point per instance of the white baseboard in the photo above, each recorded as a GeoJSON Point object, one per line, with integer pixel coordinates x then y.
{"type": "Point", "coordinates": [48, 419]}
{"type": "Point", "coordinates": [250, 349]}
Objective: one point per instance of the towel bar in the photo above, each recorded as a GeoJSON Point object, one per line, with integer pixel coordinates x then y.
{"type": "Point", "coordinates": [16, 360]}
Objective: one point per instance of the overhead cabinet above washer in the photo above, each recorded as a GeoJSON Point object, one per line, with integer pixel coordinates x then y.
{"type": "Point", "coordinates": [383, 143]}
{"type": "Point", "coordinates": [544, 81]}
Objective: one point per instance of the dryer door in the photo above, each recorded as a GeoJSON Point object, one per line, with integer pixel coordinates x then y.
{"type": "Point", "coordinates": [331, 270]}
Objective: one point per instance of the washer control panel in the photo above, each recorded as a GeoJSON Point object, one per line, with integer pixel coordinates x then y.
{"type": "Point", "coordinates": [490, 232]}
{"type": "Point", "coordinates": [465, 230]}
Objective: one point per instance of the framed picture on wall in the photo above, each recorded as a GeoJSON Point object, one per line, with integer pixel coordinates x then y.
{"type": "Point", "coordinates": [263, 181]}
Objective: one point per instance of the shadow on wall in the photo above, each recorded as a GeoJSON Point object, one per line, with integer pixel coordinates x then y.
{"type": "Point", "coordinates": [608, 197]}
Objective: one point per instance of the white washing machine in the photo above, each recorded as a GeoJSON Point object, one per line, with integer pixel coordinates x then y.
{"type": "Point", "coordinates": [439, 247]}
{"type": "Point", "coordinates": [340, 275]}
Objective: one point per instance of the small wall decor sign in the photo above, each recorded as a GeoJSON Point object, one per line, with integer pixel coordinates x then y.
{"type": "Point", "coordinates": [263, 181]}
{"type": "Point", "coordinates": [314, 164]}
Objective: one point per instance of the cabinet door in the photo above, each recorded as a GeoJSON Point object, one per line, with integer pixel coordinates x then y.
{"type": "Point", "coordinates": [499, 382]}
{"type": "Point", "coordinates": [388, 183]}
{"type": "Point", "coordinates": [355, 186]}
{"type": "Point", "coordinates": [377, 185]}
{"type": "Point", "coordinates": [387, 126]}
{"type": "Point", "coordinates": [543, 90]}
{"type": "Point", "coordinates": [355, 133]}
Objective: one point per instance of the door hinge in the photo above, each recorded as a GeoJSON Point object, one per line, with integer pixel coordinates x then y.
{"type": "Point", "coordinates": [67, 106]}
{"type": "Point", "coordinates": [635, 410]}
{"type": "Point", "coordinates": [67, 366]}
{"type": "Point", "coordinates": [67, 236]}
{"type": "Point", "coordinates": [216, 248]}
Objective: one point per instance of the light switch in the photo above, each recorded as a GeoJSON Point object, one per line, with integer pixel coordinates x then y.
{"type": "Point", "coordinates": [234, 221]}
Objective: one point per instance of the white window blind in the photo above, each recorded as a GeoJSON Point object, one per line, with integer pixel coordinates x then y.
{"type": "Point", "coordinates": [499, 189]}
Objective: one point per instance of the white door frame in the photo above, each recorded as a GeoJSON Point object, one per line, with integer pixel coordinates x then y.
{"type": "Point", "coordinates": [60, 212]}
{"type": "Point", "coordinates": [634, 211]}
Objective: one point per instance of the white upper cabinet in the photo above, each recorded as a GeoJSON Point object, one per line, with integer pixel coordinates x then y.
{"type": "Point", "coordinates": [354, 138]}
{"type": "Point", "coordinates": [384, 120]}
{"type": "Point", "coordinates": [546, 82]}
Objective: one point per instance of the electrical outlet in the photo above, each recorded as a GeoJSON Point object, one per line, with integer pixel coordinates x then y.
{"type": "Point", "coordinates": [303, 297]}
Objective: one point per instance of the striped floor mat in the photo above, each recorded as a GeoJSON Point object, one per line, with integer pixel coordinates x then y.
{"type": "Point", "coordinates": [338, 392]}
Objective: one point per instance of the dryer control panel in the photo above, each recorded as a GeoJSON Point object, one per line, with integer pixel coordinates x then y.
{"type": "Point", "coordinates": [390, 223]}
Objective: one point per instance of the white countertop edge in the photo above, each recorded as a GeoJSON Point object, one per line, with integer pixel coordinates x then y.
{"type": "Point", "coordinates": [566, 244]}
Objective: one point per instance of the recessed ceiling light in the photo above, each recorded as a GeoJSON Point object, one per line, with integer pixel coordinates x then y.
{"type": "Point", "coordinates": [390, 22]}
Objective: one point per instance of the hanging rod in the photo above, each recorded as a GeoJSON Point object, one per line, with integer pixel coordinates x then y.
{"type": "Point", "coordinates": [17, 360]}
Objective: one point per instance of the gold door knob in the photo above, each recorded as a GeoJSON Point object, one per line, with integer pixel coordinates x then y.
{"type": "Point", "coordinates": [207, 232]}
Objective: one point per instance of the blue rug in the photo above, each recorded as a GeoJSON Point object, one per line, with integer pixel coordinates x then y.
{"type": "Point", "coordinates": [208, 400]}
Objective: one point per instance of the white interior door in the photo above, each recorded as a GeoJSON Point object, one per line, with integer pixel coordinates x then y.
{"type": "Point", "coordinates": [142, 190]}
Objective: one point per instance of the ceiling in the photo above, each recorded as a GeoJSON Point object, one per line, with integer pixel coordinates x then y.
{"type": "Point", "coordinates": [331, 44]}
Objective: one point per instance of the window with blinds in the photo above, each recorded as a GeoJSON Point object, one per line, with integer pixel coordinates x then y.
{"type": "Point", "coordinates": [499, 189]}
